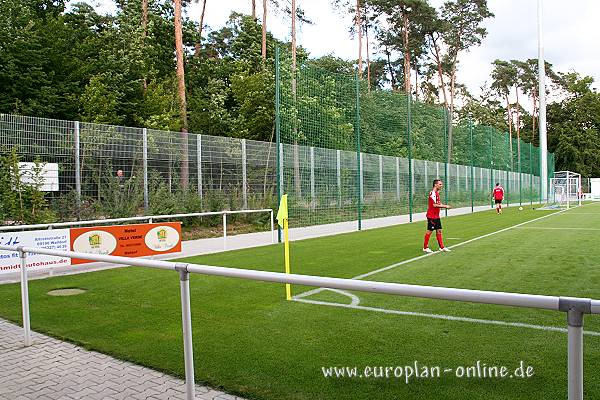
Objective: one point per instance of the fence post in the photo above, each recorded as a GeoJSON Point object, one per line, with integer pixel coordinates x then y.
{"type": "Point", "coordinates": [338, 166]}
{"type": "Point", "coordinates": [575, 308]}
{"type": "Point", "coordinates": [530, 175]}
{"type": "Point", "coordinates": [279, 170]}
{"type": "Point", "coordinates": [145, 167]}
{"type": "Point", "coordinates": [397, 178]}
{"type": "Point", "coordinates": [77, 168]}
{"type": "Point", "coordinates": [272, 228]}
{"type": "Point", "coordinates": [508, 164]}
{"type": "Point", "coordinates": [312, 178]}
{"type": "Point", "coordinates": [381, 177]}
{"type": "Point", "coordinates": [472, 178]}
{"type": "Point", "coordinates": [410, 160]}
{"type": "Point", "coordinates": [358, 154]}
{"type": "Point", "coordinates": [244, 177]}
{"type": "Point", "coordinates": [224, 230]}
{"type": "Point", "coordinates": [446, 183]}
{"type": "Point", "coordinates": [491, 172]}
{"type": "Point", "coordinates": [186, 322]}
{"type": "Point", "coordinates": [199, 165]}
{"type": "Point", "coordinates": [25, 296]}
{"type": "Point", "coordinates": [425, 163]}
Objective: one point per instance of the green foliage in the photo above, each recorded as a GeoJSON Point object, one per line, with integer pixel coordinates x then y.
{"type": "Point", "coordinates": [21, 202]}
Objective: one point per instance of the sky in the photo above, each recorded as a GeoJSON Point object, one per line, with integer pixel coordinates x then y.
{"type": "Point", "coordinates": [571, 33]}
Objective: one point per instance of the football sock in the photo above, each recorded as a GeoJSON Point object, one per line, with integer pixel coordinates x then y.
{"type": "Point", "coordinates": [439, 240]}
{"type": "Point", "coordinates": [426, 241]}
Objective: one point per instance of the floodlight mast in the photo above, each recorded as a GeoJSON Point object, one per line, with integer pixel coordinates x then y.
{"type": "Point", "coordinates": [542, 111]}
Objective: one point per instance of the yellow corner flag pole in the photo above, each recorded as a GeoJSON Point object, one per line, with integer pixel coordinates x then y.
{"type": "Point", "coordinates": [282, 220]}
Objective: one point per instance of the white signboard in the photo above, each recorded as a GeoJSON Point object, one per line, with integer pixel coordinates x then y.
{"type": "Point", "coordinates": [48, 175]}
{"type": "Point", "coordinates": [595, 187]}
{"type": "Point", "coordinates": [55, 239]}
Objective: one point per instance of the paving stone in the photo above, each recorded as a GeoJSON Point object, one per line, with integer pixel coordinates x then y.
{"type": "Point", "coordinates": [55, 370]}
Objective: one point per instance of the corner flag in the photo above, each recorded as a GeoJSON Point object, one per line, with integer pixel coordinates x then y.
{"type": "Point", "coordinates": [282, 220]}
{"type": "Point", "coordinates": [282, 213]}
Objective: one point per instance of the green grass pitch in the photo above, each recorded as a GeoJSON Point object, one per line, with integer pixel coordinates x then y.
{"type": "Point", "coordinates": [250, 341]}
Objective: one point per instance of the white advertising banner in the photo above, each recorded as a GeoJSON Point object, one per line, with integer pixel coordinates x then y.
{"type": "Point", "coordinates": [55, 239]}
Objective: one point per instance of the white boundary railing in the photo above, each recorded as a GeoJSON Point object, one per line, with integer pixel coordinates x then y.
{"type": "Point", "coordinates": [573, 306]}
{"type": "Point", "coordinates": [150, 219]}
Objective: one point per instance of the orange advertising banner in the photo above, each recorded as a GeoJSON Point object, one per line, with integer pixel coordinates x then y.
{"type": "Point", "coordinates": [137, 240]}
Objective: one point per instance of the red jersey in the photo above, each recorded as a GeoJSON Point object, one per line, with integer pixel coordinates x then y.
{"type": "Point", "coordinates": [434, 198]}
{"type": "Point", "coordinates": [498, 193]}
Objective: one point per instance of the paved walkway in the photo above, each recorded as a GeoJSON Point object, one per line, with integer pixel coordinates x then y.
{"type": "Point", "coordinates": [54, 370]}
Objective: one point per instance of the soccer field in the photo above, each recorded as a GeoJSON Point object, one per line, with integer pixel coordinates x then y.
{"type": "Point", "coordinates": [250, 341]}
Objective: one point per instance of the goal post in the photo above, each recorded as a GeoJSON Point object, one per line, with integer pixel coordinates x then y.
{"type": "Point", "coordinates": [565, 190]}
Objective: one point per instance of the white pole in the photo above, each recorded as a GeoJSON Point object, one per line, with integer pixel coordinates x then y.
{"type": "Point", "coordinates": [542, 111]}
{"type": "Point", "coordinates": [224, 231]}
{"type": "Point", "coordinates": [272, 228]}
{"type": "Point", "coordinates": [575, 355]}
{"type": "Point", "coordinates": [186, 321]}
{"type": "Point", "coordinates": [25, 297]}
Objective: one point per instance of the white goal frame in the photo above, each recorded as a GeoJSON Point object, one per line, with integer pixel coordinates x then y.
{"type": "Point", "coordinates": [566, 189]}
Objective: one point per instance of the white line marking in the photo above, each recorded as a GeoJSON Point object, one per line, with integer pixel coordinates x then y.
{"type": "Point", "coordinates": [445, 317]}
{"type": "Point", "coordinates": [560, 229]}
{"type": "Point", "coordinates": [318, 290]}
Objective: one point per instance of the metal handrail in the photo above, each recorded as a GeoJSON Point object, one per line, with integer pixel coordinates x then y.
{"type": "Point", "coordinates": [150, 219]}
{"type": "Point", "coordinates": [573, 306]}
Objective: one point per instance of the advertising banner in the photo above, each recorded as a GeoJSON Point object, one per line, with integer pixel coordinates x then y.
{"type": "Point", "coordinates": [127, 240]}
{"type": "Point", "coordinates": [55, 239]}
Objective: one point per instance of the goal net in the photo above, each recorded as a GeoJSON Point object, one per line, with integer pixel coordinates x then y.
{"type": "Point", "coordinates": [565, 190]}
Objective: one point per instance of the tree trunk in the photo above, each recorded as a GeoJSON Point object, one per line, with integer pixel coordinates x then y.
{"type": "Point", "coordinates": [145, 34]}
{"type": "Point", "coordinates": [199, 42]}
{"type": "Point", "coordinates": [368, 59]}
{"type": "Point", "coordinates": [264, 31]}
{"type": "Point", "coordinates": [438, 61]}
{"type": "Point", "coordinates": [182, 100]}
{"type": "Point", "coordinates": [509, 130]}
{"type": "Point", "coordinates": [254, 10]}
{"type": "Point", "coordinates": [416, 83]}
{"type": "Point", "coordinates": [297, 183]}
{"type": "Point", "coordinates": [389, 63]}
{"type": "Point", "coordinates": [451, 110]}
{"type": "Point", "coordinates": [359, 32]}
{"type": "Point", "coordinates": [406, 54]}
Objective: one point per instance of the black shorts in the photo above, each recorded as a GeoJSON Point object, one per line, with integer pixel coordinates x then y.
{"type": "Point", "coordinates": [498, 201]}
{"type": "Point", "coordinates": [434, 224]}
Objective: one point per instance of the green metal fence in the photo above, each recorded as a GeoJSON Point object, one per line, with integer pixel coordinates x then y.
{"type": "Point", "coordinates": [347, 153]}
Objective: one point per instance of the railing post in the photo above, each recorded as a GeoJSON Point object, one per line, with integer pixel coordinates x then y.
{"type": "Point", "coordinates": [145, 167]}
{"type": "Point", "coordinates": [186, 321]}
{"type": "Point", "coordinates": [575, 308]}
{"type": "Point", "coordinates": [25, 297]}
{"type": "Point", "coordinates": [244, 176]}
{"type": "Point", "coordinates": [77, 168]}
{"type": "Point", "coordinates": [224, 231]}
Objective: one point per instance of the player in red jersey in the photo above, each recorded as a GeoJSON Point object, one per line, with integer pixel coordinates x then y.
{"type": "Point", "coordinates": [433, 217]}
{"type": "Point", "coordinates": [498, 195]}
